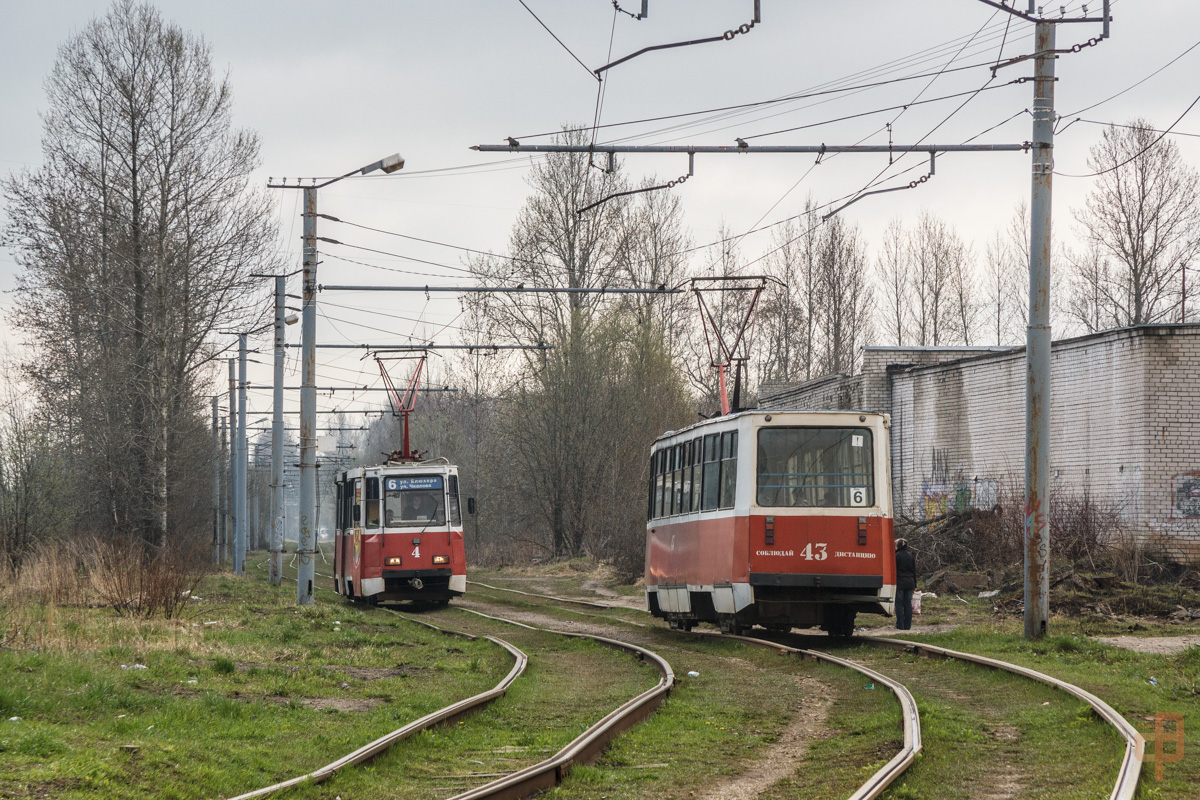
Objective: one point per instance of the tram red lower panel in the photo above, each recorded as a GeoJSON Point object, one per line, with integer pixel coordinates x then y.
{"type": "Point", "coordinates": [704, 552]}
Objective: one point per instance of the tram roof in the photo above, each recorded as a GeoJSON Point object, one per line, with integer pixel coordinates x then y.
{"type": "Point", "coordinates": [762, 411]}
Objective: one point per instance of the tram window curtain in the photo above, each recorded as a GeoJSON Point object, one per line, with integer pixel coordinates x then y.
{"type": "Point", "coordinates": [728, 468]}
{"type": "Point", "coordinates": [650, 491]}
{"type": "Point", "coordinates": [712, 472]}
{"type": "Point", "coordinates": [680, 473]}
{"type": "Point", "coordinates": [340, 508]}
{"type": "Point", "coordinates": [372, 520]}
{"type": "Point", "coordinates": [658, 484]}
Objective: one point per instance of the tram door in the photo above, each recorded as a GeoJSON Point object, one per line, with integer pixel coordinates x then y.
{"type": "Point", "coordinates": [338, 527]}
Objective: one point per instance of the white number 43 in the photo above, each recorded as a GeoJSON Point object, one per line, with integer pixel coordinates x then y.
{"type": "Point", "coordinates": [809, 554]}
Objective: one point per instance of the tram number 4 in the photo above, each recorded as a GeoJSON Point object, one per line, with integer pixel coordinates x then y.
{"type": "Point", "coordinates": [417, 551]}
{"type": "Point", "coordinates": [811, 554]}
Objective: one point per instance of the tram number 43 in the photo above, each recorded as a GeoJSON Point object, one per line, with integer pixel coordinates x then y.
{"type": "Point", "coordinates": [814, 551]}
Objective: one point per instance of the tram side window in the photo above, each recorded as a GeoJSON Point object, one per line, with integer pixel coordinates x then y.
{"type": "Point", "coordinates": [650, 490]}
{"type": "Point", "coordinates": [712, 471]}
{"type": "Point", "coordinates": [452, 501]}
{"type": "Point", "coordinates": [340, 507]}
{"type": "Point", "coordinates": [658, 483]}
{"type": "Point", "coordinates": [680, 467]}
{"type": "Point", "coordinates": [728, 468]}
{"type": "Point", "coordinates": [689, 463]}
{"type": "Point", "coordinates": [670, 500]}
{"type": "Point", "coordinates": [372, 503]}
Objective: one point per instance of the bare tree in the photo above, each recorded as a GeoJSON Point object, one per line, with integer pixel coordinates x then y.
{"type": "Point", "coordinates": [568, 430]}
{"type": "Point", "coordinates": [1139, 223]}
{"type": "Point", "coordinates": [999, 303]}
{"type": "Point", "coordinates": [928, 248]}
{"type": "Point", "coordinates": [845, 302]}
{"type": "Point", "coordinates": [137, 238]}
{"type": "Point", "coordinates": [892, 270]}
{"type": "Point", "coordinates": [963, 294]}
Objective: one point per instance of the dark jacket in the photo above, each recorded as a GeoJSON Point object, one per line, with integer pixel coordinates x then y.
{"type": "Point", "coordinates": [906, 570]}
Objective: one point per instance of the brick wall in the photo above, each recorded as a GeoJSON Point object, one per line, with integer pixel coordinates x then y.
{"type": "Point", "coordinates": [1124, 418]}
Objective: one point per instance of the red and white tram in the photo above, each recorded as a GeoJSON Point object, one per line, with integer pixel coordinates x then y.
{"type": "Point", "coordinates": [781, 518]}
{"type": "Point", "coordinates": [400, 533]}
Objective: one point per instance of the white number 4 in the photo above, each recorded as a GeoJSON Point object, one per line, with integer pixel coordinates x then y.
{"type": "Point", "coordinates": [818, 555]}
{"type": "Point", "coordinates": [417, 551]}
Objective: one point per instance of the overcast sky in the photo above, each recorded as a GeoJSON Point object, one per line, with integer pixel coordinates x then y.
{"type": "Point", "coordinates": [333, 86]}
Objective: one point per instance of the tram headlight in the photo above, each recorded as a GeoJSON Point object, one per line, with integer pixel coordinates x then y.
{"type": "Point", "coordinates": [441, 559]}
{"type": "Point", "coordinates": [392, 561]}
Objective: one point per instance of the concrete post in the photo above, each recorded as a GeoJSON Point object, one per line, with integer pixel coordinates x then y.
{"type": "Point", "coordinates": [277, 436]}
{"type": "Point", "coordinates": [308, 406]}
{"type": "Point", "coordinates": [241, 533]}
{"type": "Point", "coordinates": [230, 500]}
{"type": "Point", "coordinates": [1037, 353]}
{"type": "Point", "coordinates": [216, 494]}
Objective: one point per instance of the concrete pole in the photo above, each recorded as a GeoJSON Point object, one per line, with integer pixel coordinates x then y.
{"type": "Point", "coordinates": [225, 526]}
{"type": "Point", "coordinates": [255, 529]}
{"type": "Point", "coordinates": [308, 406]}
{"type": "Point", "coordinates": [217, 453]}
{"type": "Point", "coordinates": [1037, 338]}
{"type": "Point", "coordinates": [277, 436]}
{"type": "Point", "coordinates": [241, 534]}
{"type": "Point", "coordinates": [231, 502]}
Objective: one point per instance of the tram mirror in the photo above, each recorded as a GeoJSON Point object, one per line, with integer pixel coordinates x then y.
{"type": "Point", "coordinates": [470, 505]}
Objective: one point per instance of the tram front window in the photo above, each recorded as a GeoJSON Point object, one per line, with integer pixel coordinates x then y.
{"type": "Point", "coordinates": [416, 501]}
{"type": "Point", "coordinates": [823, 467]}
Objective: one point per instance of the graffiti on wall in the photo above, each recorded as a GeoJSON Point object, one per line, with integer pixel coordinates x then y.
{"type": "Point", "coordinates": [1185, 496]}
{"type": "Point", "coordinates": [943, 496]}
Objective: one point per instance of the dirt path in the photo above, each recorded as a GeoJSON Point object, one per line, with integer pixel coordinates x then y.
{"type": "Point", "coordinates": [1156, 645]}
{"type": "Point", "coordinates": [784, 757]}
{"type": "Point", "coordinates": [811, 708]}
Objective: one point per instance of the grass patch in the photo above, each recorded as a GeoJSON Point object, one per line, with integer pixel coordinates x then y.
{"type": "Point", "coordinates": [207, 705]}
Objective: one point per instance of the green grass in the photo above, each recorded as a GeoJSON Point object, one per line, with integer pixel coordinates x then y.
{"type": "Point", "coordinates": [984, 731]}
{"type": "Point", "coordinates": [267, 692]}
{"type": "Point", "coordinates": [569, 685]}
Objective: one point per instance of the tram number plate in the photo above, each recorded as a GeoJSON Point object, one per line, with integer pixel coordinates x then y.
{"type": "Point", "coordinates": [814, 551]}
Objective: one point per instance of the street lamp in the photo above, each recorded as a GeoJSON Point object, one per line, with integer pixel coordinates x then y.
{"type": "Point", "coordinates": [306, 547]}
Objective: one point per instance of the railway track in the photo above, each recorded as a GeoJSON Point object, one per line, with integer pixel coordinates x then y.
{"type": "Point", "coordinates": [525, 782]}
{"type": "Point", "coordinates": [1128, 774]}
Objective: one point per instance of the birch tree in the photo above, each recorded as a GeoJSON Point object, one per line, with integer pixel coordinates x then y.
{"type": "Point", "coordinates": [1139, 225]}
{"type": "Point", "coordinates": [136, 240]}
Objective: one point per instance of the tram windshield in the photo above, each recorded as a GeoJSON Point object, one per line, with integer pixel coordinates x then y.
{"type": "Point", "coordinates": [413, 501]}
{"type": "Point", "coordinates": [823, 467]}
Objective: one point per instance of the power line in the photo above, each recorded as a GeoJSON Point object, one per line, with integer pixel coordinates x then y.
{"type": "Point", "coordinates": [1135, 85]}
{"type": "Point", "coordinates": [560, 41]}
{"type": "Point", "coordinates": [1140, 153]}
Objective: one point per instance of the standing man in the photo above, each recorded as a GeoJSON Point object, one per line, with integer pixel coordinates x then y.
{"type": "Point", "coordinates": [906, 582]}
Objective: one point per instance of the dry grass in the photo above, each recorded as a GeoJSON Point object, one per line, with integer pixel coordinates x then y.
{"type": "Point", "coordinates": [46, 603]}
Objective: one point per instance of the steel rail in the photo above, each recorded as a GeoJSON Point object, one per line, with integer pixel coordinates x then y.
{"type": "Point", "coordinates": [588, 603]}
{"type": "Point", "coordinates": [911, 719]}
{"type": "Point", "coordinates": [442, 716]}
{"type": "Point", "coordinates": [1135, 743]}
{"type": "Point", "coordinates": [873, 786]}
{"type": "Point", "coordinates": [588, 746]}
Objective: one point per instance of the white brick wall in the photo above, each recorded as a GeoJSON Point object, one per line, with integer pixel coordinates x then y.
{"type": "Point", "coordinates": [1124, 419]}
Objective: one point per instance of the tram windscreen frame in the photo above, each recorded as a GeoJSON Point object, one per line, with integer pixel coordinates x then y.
{"type": "Point", "coordinates": [414, 501]}
{"type": "Point", "coordinates": [819, 467]}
